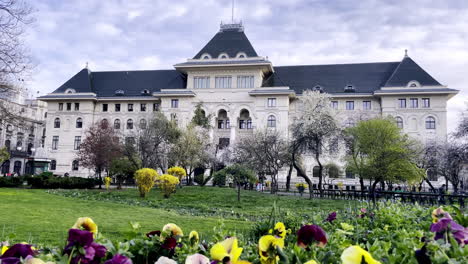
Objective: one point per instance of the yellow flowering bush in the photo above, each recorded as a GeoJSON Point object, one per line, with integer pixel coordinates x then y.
{"type": "Point", "coordinates": [145, 179]}
{"type": "Point", "coordinates": [107, 182]}
{"type": "Point", "coordinates": [178, 172]}
{"type": "Point", "coordinates": [167, 183]}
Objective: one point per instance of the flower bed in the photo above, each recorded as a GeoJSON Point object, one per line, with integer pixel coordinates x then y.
{"type": "Point", "coordinates": [391, 233]}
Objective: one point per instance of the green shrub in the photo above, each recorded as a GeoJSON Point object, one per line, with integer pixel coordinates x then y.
{"type": "Point", "coordinates": [47, 180]}
{"type": "Point", "coordinates": [11, 181]}
{"type": "Point", "coordinates": [219, 178]}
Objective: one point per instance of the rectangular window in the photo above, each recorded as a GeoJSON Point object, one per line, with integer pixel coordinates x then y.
{"type": "Point", "coordinates": [366, 105]}
{"type": "Point", "coordinates": [60, 106]}
{"type": "Point", "coordinates": [241, 124]}
{"type": "Point", "coordinates": [220, 124]}
{"type": "Point", "coordinates": [201, 82]}
{"type": "Point", "coordinates": [104, 107]}
{"type": "Point", "coordinates": [77, 106]}
{"type": "Point", "coordinates": [245, 81]}
{"type": "Point", "coordinates": [349, 105]}
{"type": "Point", "coordinates": [402, 103]}
{"type": "Point", "coordinates": [68, 106]}
{"type": "Point", "coordinates": [156, 107]}
{"type": "Point", "coordinates": [414, 102]}
{"type": "Point", "coordinates": [117, 107]}
{"type": "Point", "coordinates": [223, 82]}
{"type": "Point", "coordinates": [426, 102]}
{"type": "Point", "coordinates": [271, 102]}
{"type": "Point", "coordinates": [143, 107]}
{"type": "Point", "coordinates": [130, 107]}
{"type": "Point", "coordinates": [55, 140]}
{"type": "Point", "coordinates": [175, 103]}
{"type": "Point", "coordinates": [334, 104]}
{"type": "Point", "coordinates": [77, 143]}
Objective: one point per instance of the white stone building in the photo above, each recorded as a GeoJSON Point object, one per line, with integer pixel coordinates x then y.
{"type": "Point", "coordinates": [22, 132]}
{"type": "Point", "coordinates": [244, 92]}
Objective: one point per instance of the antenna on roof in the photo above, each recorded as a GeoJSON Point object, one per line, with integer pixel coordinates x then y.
{"type": "Point", "coordinates": [86, 65]}
{"type": "Point", "coordinates": [232, 12]}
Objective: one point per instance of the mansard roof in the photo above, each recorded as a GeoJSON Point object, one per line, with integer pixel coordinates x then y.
{"type": "Point", "coordinates": [333, 78]}
{"type": "Point", "coordinates": [228, 40]}
{"type": "Point", "coordinates": [407, 71]}
{"type": "Point", "coordinates": [105, 84]}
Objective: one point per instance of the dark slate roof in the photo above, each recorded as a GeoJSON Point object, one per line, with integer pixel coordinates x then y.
{"type": "Point", "coordinates": [80, 83]}
{"type": "Point", "coordinates": [333, 78]}
{"type": "Point", "coordinates": [417, 90]}
{"type": "Point", "coordinates": [407, 71]}
{"type": "Point", "coordinates": [104, 84]}
{"type": "Point", "coordinates": [231, 41]}
{"type": "Point", "coordinates": [224, 62]}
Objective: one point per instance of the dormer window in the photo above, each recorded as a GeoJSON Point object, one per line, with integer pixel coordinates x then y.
{"type": "Point", "coordinates": [119, 92]}
{"type": "Point", "coordinates": [205, 56]}
{"type": "Point", "coordinates": [223, 56]}
{"type": "Point", "coordinates": [145, 92]}
{"type": "Point", "coordinates": [318, 88]}
{"type": "Point", "coordinates": [414, 84]}
{"type": "Point", "coordinates": [349, 88]}
{"type": "Point", "coordinates": [70, 91]}
{"type": "Point", "coordinates": [241, 55]}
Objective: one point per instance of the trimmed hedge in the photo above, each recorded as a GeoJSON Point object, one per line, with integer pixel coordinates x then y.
{"type": "Point", "coordinates": [11, 181]}
{"type": "Point", "coordinates": [47, 180]}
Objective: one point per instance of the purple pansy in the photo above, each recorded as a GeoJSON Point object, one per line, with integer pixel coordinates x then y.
{"type": "Point", "coordinates": [331, 217]}
{"type": "Point", "coordinates": [309, 234]}
{"type": "Point", "coordinates": [446, 224]}
{"type": "Point", "coordinates": [93, 252]}
{"type": "Point", "coordinates": [18, 251]}
{"type": "Point", "coordinates": [119, 259]}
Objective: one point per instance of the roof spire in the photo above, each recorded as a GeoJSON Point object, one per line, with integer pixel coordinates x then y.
{"type": "Point", "coordinates": [86, 66]}
{"type": "Point", "coordinates": [406, 53]}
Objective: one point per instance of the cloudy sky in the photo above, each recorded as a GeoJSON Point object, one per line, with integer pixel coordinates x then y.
{"type": "Point", "coordinates": [156, 34]}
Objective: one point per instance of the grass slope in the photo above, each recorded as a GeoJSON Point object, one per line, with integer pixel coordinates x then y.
{"type": "Point", "coordinates": [40, 217]}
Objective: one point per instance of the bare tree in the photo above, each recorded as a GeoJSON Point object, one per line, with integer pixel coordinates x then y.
{"type": "Point", "coordinates": [190, 150]}
{"type": "Point", "coordinates": [100, 147]}
{"type": "Point", "coordinates": [314, 127]}
{"type": "Point", "coordinates": [15, 60]}
{"type": "Point", "coordinates": [156, 141]}
{"type": "Point", "coordinates": [451, 159]}
{"type": "Point", "coordinates": [265, 152]}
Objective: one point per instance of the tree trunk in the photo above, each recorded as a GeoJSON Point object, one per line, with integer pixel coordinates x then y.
{"type": "Point", "coordinates": [361, 181]}
{"type": "Point", "coordinates": [430, 184]}
{"type": "Point", "coordinates": [288, 178]}
{"type": "Point", "coordinates": [301, 173]}
{"type": "Point", "coordinates": [100, 178]}
{"type": "Point", "coordinates": [372, 193]}
{"type": "Point", "coordinates": [317, 158]}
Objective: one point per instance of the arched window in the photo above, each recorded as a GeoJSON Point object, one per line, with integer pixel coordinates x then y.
{"type": "Point", "coordinates": [333, 171]}
{"type": "Point", "coordinates": [6, 167]}
{"type": "Point", "coordinates": [53, 165]}
{"type": "Point", "coordinates": [271, 122]}
{"type": "Point", "coordinates": [130, 124]}
{"type": "Point", "coordinates": [75, 165]}
{"type": "Point", "coordinates": [7, 144]}
{"type": "Point", "coordinates": [17, 167]}
{"type": "Point", "coordinates": [117, 124]}
{"type": "Point", "coordinates": [206, 56]}
{"type": "Point", "coordinates": [399, 122]}
{"type": "Point", "coordinates": [143, 123]}
{"type": "Point", "coordinates": [57, 123]}
{"type": "Point", "coordinates": [104, 123]}
{"type": "Point", "coordinates": [315, 171]}
{"type": "Point", "coordinates": [223, 56]}
{"type": "Point", "coordinates": [430, 122]}
{"type": "Point", "coordinates": [79, 122]}
{"type": "Point", "coordinates": [245, 122]}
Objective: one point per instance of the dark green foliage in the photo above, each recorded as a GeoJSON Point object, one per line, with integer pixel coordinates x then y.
{"type": "Point", "coordinates": [219, 178]}
{"type": "Point", "coordinates": [11, 181]}
{"type": "Point", "coordinates": [200, 119]}
{"type": "Point", "coordinates": [48, 181]}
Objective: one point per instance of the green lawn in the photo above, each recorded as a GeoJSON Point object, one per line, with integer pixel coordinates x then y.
{"type": "Point", "coordinates": [41, 217]}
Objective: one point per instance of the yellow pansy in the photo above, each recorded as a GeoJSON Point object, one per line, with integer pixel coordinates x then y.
{"type": "Point", "coordinates": [356, 255]}
{"type": "Point", "coordinates": [194, 237]}
{"type": "Point", "coordinates": [279, 230]}
{"type": "Point", "coordinates": [86, 223]}
{"type": "Point", "coordinates": [226, 251]}
{"type": "Point", "coordinates": [311, 262]}
{"type": "Point", "coordinates": [173, 229]}
{"type": "Point", "coordinates": [267, 248]}
{"type": "Point", "coordinates": [4, 248]}
{"type": "Point", "coordinates": [438, 213]}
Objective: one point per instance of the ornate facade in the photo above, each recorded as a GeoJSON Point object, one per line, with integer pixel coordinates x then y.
{"type": "Point", "coordinates": [244, 92]}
